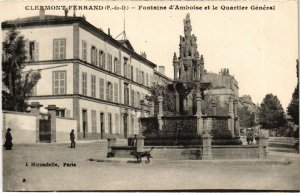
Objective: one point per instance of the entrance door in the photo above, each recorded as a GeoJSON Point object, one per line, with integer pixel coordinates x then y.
{"type": "Point", "coordinates": [125, 125]}
{"type": "Point", "coordinates": [109, 123]}
{"type": "Point", "coordinates": [45, 129]}
{"type": "Point", "coordinates": [102, 129]}
{"type": "Point", "coordinates": [84, 122]}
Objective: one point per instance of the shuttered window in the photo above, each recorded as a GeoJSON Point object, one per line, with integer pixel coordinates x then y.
{"type": "Point", "coordinates": [94, 121]}
{"type": "Point", "coordinates": [101, 88]}
{"type": "Point", "coordinates": [117, 123]}
{"type": "Point", "coordinates": [93, 86]}
{"type": "Point", "coordinates": [59, 82]}
{"type": "Point", "coordinates": [84, 83]}
{"type": "Point", "coordinates": [59, 49]}
{"type": "Point", "coordinates": [84, 50]}
{"type": "Point", "coordinates": [116, 93]}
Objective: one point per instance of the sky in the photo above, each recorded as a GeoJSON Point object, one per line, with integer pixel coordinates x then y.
{"type": "Point", "coordinates": [259, 47]}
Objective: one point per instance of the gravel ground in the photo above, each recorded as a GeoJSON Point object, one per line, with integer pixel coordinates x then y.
{"type": "Point", "coordinates": [92, 175]}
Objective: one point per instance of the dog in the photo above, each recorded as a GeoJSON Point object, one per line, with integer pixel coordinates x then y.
{"type": "Point", "coordinates": [140, 155]}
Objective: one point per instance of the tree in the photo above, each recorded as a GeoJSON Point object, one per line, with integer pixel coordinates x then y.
{"type": "Point", "coordinates": [207, 106]}
{"type": "Point", "coordinates": [246, 117]}
{"type": "Point", "coordinates": [168, 99]}
{"type": "Point", "coordinates": [271, 113]}
{"type": "Point", "coordinates": [293, 108]}
{"type": "Point", "coordinates": [19, 83]}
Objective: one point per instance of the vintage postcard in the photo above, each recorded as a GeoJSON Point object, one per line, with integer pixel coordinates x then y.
{"type": "Point", "coordinates": [150, 95]}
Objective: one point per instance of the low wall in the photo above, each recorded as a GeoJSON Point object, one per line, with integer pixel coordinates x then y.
{"type": "Point", "coordinates": [122, 151]}
{"type": "Point", "coordinates": [236, 152]}
{"type": "Point", "coordinates": [175, 153]}
{"type": "Point", "coordinates": [194, 153]}
{"type": "Point", "coordinates": [23, 125]}
{"type": "Point", "coordinates": [63, 129]}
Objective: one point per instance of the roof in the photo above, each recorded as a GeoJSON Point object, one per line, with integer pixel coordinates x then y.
{"type": "Point", "coordinates": [163, 76]}
{"type": "Point", "coordinates": [54, 20]}
{"type": "Point", "coordinates": [127, 44]}
{"type": "Point", "coordinates": [33, 18]}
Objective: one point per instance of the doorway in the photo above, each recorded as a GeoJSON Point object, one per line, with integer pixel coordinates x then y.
{"type": "Point", "coordinates": [84, 122]}
{"type": "Point", "coordinates": [102, 129]}
{"type": "Point", "coordinates": [45, 129]}
{"type": "Point", "coordinates": [125, 125]}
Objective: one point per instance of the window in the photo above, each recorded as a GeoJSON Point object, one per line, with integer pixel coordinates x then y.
{"type": "Point", "coordinates": [147, 79]}
{"type": "Point", "coordinates": [96, 57]}
{"type": "Point", "coordinates": [151, 80]}
{"type": "Point", "coordinates": [101, 88]}
{"type": "Point", "coordinates": [84, 50]}
{"type": "Point", "coordinates": [94, 122]}
{"type": "Point", "coordinates": [142, 78]}
{"type": "Point", "coordinates": [131, 74]}
{"type": "Point", "coordinates": [59, 82]}
{"type": "Point", "coordinates": [125, 66]}
{"type": "Point", "coordinates": [109, 62]}
{"type": "Point", "coordinates": [129, 71]}
{"type": "Point", "coordinates": [116, 92]}
{"type": "Point", "coordinates": [137, 74]}
{"type": "Point", "coordinates": [101, 59]}
{"type": "Point", "coordinates": [84, 83]}
{"type": "Point", "coordinates": [116, 65]}
{"type": "Point", "coordinates": [93, 86]}
{"type": "Point", "coordinates": [109, 121]}
{"type": "Point", "coordinates": [32, 50]}
{"type": "Point", "coordinates": [60, 112]}
{"type": "Point", "coordinates": [137, 99]}
{"type": "Point", "coordinates": [117, 123]}
{"type": "Point", "coordinates": [59, 49]}
{"type": "Point", "coordinates": [132, 98]}
{"type": "Point", "coordinates": [93, 55]}
{"type": "Point", "coordinates": [109, 91]}
{"type": "Point", "coordinates": [126, 94]}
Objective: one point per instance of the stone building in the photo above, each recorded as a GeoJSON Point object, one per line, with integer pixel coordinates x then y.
{"type": "Point", "coordinates": [87, 74]}
{"type": "Point", "coordinates": [222, 85]}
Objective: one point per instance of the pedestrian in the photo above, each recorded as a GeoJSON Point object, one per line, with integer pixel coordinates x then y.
{"type": "Point", "coordinates": [8, 140]}
{"type": "Point", "coordinates": [248, 137]}
{"type": "Point", "coordinates": [72, 138]}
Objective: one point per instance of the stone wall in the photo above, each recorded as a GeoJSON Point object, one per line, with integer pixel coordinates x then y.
{"type": "Point", "coordinates": [23, 126]}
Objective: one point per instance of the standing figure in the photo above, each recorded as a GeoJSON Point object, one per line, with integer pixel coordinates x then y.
{"type": "Point", "coordinates": [248, 137]}
{"type": "Point", "coordinates": [72, 138]}
{"type": "Point", "coordinates": [8, 142]}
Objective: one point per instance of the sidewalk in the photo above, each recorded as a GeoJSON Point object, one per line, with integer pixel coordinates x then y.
{"type": "Point", "coordinates": [200, 162]}
{"type": "Point", "coordinates": [92, 171]}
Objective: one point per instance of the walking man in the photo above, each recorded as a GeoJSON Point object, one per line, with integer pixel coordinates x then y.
{"type": "Point", "coordinates": [72, 138]}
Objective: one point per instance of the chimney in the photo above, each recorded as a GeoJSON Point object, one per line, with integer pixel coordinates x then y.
{"type": "Point", "coordinates": [42, 13]}
{"type": "Point", "coordinates": [143, 54]}
{"type": "Point", "coordinates": [108, 31]}
{"type": "Point", "coordinates": [161, 69]}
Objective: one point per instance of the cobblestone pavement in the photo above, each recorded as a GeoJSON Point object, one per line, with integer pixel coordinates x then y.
{"type": "Point", "coordinates": [92, 175]}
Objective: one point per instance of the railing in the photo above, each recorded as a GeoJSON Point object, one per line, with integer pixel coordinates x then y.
{"type": "Point", "coordinates": [182, 126]}
{"type": "Point", "coordinates": [149, 124]}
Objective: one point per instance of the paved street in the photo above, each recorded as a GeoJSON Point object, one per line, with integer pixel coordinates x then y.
{"type": "Point", "coordinates": [92, 175]}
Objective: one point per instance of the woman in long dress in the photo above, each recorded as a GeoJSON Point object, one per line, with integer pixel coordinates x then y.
{"type": "Point", "coordinates": [8, 142]}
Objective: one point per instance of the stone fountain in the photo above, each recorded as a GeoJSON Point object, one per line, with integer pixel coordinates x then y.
{"type": "Point", "coordinates": [188, 125]}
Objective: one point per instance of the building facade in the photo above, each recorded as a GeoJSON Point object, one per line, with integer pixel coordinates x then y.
{"type": "Point", "coordinates": [87, 74]}
{"type": "Point", "coordinates": [222, 85]}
